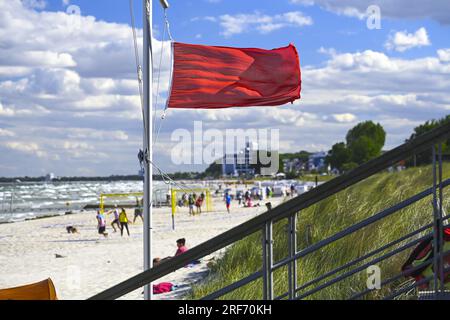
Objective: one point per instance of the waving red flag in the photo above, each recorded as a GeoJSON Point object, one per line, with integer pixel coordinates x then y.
{"type": "Point", "coordinates": [207, 77]}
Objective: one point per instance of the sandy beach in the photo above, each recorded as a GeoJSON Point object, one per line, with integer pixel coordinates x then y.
{"type": "Point", "coordinates": [88, 263]}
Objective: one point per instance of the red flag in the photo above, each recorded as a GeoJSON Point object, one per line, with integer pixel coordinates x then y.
{"type": "Point", "coordinates": [206, 77]}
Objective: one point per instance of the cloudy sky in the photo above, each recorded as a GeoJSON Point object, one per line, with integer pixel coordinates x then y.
{"type": "Point", "coordinates": [69, 100]}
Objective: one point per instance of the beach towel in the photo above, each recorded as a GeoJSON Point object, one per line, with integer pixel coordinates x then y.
{"type": "Point", "coordinates": [208, 77]}
{"type": "Point", "coordinates": [162, 287]}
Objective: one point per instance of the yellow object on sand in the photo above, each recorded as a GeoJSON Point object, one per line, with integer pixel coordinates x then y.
{"type": "Point", "coordinates": [44, 290]}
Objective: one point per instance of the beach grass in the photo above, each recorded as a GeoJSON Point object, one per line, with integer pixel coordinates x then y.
{"type": "Point", "coordinates": [325, 219]}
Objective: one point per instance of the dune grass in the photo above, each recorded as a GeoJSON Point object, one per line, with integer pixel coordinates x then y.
{"type": "Point", "coordinates": [325, 219]}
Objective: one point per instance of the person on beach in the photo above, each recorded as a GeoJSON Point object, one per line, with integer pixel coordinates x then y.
{"type": "Point", "coordinates": [228, 201]}
{"type": "Point", "coordinates": [239, 197]}
{"type": "Point", "coordinates": [292, 190]}
{"type": "Point", "coordinates": [181, 244]}
{"type": "Point", "coordinates": [247, 196]}
{"type": "Point", "coordinates": [191, 202]}
{"type": "Point", "coordinates": [101, 224]}
{"type": "Point", "coordinates": [199, 203]}
{"type": "Point", "coordinates": [181, 248]}
{"type": "Point", "coordinates": [185, 199]}
{"type": "Point", "coordinates": [249, 203]}
{"type": "Point", "coordinates": [268, 192]}
{"type": "Point", "coordinates": [138, 211]}
{"type": "Point", "coordinates": [116, 218]}
{"type": "Point", "coordinates": [123, 219]}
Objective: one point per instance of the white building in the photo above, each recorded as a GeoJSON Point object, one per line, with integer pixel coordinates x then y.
{"type": "Point", "coordinates": [316, 161]}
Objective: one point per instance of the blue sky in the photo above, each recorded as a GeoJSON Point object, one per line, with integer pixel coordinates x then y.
{"type": "Point", "coordinates": [329, 30]}
{"type": "Point", "coordinates": [69, 102]}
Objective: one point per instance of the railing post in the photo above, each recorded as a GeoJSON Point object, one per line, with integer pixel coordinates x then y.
{"type": "Point", "coordinates": [264, 261]}
{"type": "Point", "coordinates": [441, 226]}
{"type": "Point", "coordinates": [267, 261]}
{"type": "Point", "coordinates": [437, 230]}
{"type": "Point", "coordinates": [292, 246]}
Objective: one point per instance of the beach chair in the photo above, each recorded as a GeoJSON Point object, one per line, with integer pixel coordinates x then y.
{"type": "Point", "coordinates": [44, 290]}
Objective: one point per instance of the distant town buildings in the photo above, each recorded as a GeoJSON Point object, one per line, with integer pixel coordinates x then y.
{"type": "Point", "coordinates": [240, 163]}
{"type": "Point", "coordinates": [316, 161]}
{"type": "Point", "coordinates": [294, 165]}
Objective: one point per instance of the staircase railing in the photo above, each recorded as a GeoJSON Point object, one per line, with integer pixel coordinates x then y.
{"type": "Point", "coordinates": [290, 209]}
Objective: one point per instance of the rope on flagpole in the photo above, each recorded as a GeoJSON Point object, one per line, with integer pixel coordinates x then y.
{"type": "Point", "coordinates": [163, 115]}
{"type": "Point", "coordinates": [158, 84]}
{"type": "Point", "coordinates": [138, 62]}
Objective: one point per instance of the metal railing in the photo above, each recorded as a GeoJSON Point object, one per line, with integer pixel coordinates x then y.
{"type": "Point", "coordinates": [290, 209]}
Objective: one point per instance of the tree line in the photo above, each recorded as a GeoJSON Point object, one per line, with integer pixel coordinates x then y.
{"type": "Point", "coordinates": [366, 140]}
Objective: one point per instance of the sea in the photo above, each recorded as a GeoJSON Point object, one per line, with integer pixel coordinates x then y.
{"type": "Point", "coordinates": [29, 200]}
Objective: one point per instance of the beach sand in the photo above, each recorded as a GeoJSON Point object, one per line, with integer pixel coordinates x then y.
{"type": "Point", "coordinates": [91, 263]}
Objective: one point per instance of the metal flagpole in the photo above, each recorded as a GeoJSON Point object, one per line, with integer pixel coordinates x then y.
{"type": "Point", "coordinates": [148, 152]}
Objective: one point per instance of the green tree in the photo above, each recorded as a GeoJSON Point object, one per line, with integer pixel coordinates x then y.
{"type": "Point", "coordinates": [365, 141]}
{"type": "Point", "coordinates": [338, 156]}
{"type": "Point", "coordinates": [425, 157]}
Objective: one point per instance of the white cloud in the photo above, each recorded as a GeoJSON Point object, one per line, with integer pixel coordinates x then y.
{"type": "Point", "coordinates": [6, 133]}
{"type": "Point", "coordinates": [444, 55]}
{"type": "Point", "coordinates": [438, 10]}
{"type": "Point", "coordinates": [402, 41]}
{"type": "Point", "coordinates": [76, 145]}
{"type": "Point", "coordinates": [6, 112]}
{"type": "Point", "coordinates": [26, 147]}
{"type": "Point", "coordinates": [263, 23]}
{"type": "Point", "coordinates": [35, 4]}
{"type": "Point", "coordinates": [344, 117]}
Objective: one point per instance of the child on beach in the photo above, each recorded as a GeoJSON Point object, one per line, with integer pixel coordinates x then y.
{"type": "Point", "coordinates": [199, 203]}
{"type": "Point", "coordinates": [116, 218]}
{"type": "Point", "coordinates": [228, 201]}
{"type": "Point", "coordinates": [191, 205]}
{"type": "Point", "coordinates": [123, 219]}
{"type": "Point", "coordinates": [101, 224]}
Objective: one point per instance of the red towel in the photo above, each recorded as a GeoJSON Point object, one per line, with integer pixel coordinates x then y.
{"type": "Point", "coordinates": [162, 287]}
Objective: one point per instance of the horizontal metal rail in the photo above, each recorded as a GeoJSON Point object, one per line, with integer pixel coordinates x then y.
{"type": "Point", "coordinates": [254, 276]}
{"type": "Point", "coordinates": [365, 266]}
{"type": "Point", "coordinates": [358, 226]}
{"type": "Point", "coordinates": [233, 286]}
{"type": "Point", "coordinates": [392, 279]}
{"type": "Point", "coordinates": [365, 257]}
{"type": "Point", "coordinates": [414, 285]}
{"type": "Point", "coordinates": [282, 211]}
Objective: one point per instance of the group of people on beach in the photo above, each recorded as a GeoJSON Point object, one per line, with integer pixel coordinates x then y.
{"type": "Point", "coordinates": [120, 219]}
{"type": "Point", "coordinates": [191, 200]}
